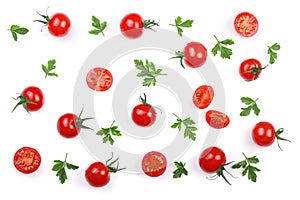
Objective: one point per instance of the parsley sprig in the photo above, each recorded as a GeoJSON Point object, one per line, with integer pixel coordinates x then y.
{"type": "Point", "coordinates": [272, 51]}
{"type": "Point", "coordinates": [249, 169]}
{"type": "Point", "coordinates": [251, 105]}
{"type": "Point", "coordinates": [109, 132]}
{"type": "Point", "coordinates": [225, 52]}
{"type": "Point", "coordinates": [148, 71]}
{"type": "Point", "coordinates": [16, 29]}
{"type": "Point", "coordinates": [50, 67]}
{"type": "Point", "coordinates": [180, 24]}
{"type": "Point", "coordinates": [60, 168]}
{"type": "Point", "coordinates": [180, 170]}
{"type": "Point", "coordinates": [189, 131]}
{"type": "Point", "coordinates": [99, 27]}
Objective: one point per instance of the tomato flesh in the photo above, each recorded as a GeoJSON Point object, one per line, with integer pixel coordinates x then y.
{"type": "Point", "coordinates": [211, 159]}
{"type": "Point", "coordinates": [59, 25]}
{"type": "Point", "coordinates": [99, 79]}
{"type": "Point", "coordinates": [143, 115]}
{"type": "Point", "coordinates": [27, 160]}
{"type": "Point", "coordinates": [195, 54]}
{"type": "Point", "coordinates": [247, 67]}
{"type": "Point", "coordinates": [203, 96]}
{"type": "Point", "coordinates": [35, 95]}
{"type": "Point", "coordinates": [97, 174]}
{"type": "Point", "coordinates": [217, 119]}
{"type": "Point", "coordinates": [263, 134]}
{"type": "Point", "coordinates": [132, 25]}
{"type": "Point", "coordinates": [154, 164]}
{"type": "Point", "coordinates": [246, 24]}
{"type": "Point", "coordinates": [66, 125]}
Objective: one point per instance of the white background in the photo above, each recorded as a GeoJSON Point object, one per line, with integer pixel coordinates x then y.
{"type": "Point", "coordinates": [276, 89]}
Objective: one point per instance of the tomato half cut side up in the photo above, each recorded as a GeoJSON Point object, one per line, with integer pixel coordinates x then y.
{"type": "Point", "coordinates": [154, 164]}
{"type": "Point", "coordinates": [27, 160]}
{"type": "Point", "coordinates": [246, 24]}
{"type": "Point", "coordinates": [203, 96]}
{"type": "Point", "coordinates": [99, 79]}
{"type": "Point", "coordinates": [217, 119]}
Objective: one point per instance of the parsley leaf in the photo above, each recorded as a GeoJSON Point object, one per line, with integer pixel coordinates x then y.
{"type": "Point", "coordinates": [189, 131]}
{"type": "Point", "coordinates": [99, 27]}
{"type": "Point", "coordinates": [248, 168]}
{"type": "Point", "coordinates": [51, 66]}
{"type": "Point", "coordinates": [108, 132]}
{"type": "Point", "coordinates": [148, 71]}
{"type": "Point", "coordinates": [252, 105]}
{"type": "Point", "coordinates": [180, 24]}
{"type": "Point", "coordinates": [16, 29]}
{"type": "Point", "coordinates": [59, 166]}
{"type": "Point", "coordinates": [272, 52]}
{"type": "Point", "coordinates": [221, 47]}
{"type": "Point", "coordinates": [180, 169]}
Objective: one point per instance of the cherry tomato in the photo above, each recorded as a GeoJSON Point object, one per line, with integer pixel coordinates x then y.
{"type": "Point", "coordinates": [154, 164]}
{"type": "Point", "coordinates": [211, 159]}
{"type": "Point", "coordinates": [99, 79]}
{"type": "Point", "coordinates": [97, 174]}
{"type": "Point", "coordinates": [143, 114]}
{"type": "Point", "coordinates": [59, 24]}
{"type": "Point", "coordinates": [264, 134]}
{"type": "Point", "coordinates": [27, 160]}
{"type": "Point", "coordinates": [250, 69]}
{"type": "Point", "coordinates": [246, 24]}
{"type": "Point", "coordinates": [203, 96]}
{"type": "Point", "coordinates": [217, 119]}
{"type": "Point", "coordinates": [195, 54]}
{"type": "Point", "coordinates": [31, 98]}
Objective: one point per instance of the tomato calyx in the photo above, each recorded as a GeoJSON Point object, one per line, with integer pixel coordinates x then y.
{"type": "Point", "coordinates": [79, 121]}
{"type": "Point", "coordinates": [255, 71]}
{"type": "Point", "coordinates": [220, 173]}
{"type": "Point", "coordinates": [278, 138]}
{"type": "Point", "coordinates": [22, 101]}
{"type": "Point", "coordinates": [144, 101]}
{"type": "Point", "coordinates": [180, 55]}
{"type": "Point", "coordinates": [46, 19]}
{"type": "Point", "coordinates": [149, 23]}
{"type": "Point", "coordinates": [111, 162]}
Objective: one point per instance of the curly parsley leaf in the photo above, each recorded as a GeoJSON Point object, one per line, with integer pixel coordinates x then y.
{"type": "Point", "coordinates": [272, 51]}
{"type": "Point", "coordinates": [148, 71]}
{"type": "Point", "coordinates": [59, 166]}
{"type": "Point", "coordinates": [16, 29]}
{"type": "Point", "coordinates": [109, 132]}
{"type": "Point", "coordinates": [180, 24]}
{"type": "Point", "coordinates": [225, 52]}
{"type": "Point", "coordinates": [51, 66]}
{"type": "Point", "coordinates": [188, 123]}
{"type": "Point", "coordinates": [99, 27]}
{"type": "Point", "coordinates": [252, 105]}
{"type": "Point", "coordinates": [248, 168]}
{"type": "Point", "coordinates": [180, 170]}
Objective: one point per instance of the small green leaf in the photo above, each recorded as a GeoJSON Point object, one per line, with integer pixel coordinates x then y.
{"type": "Point", "coordinates": [246, 111]}
{"type": "Point", "coordinates": [225, 52]}
{"type": "Point", "coordinates": [109, 132]}
{"type": "Point", "coordinates": [48, 69]}
{"type": "Point", "coordinates": [252, 105]}
{"type": "Point", "coordinates": [180, 170]}
{"type": "Point", "coordinates": [272, 51]}
{"type": "Point", "coordinates": [57, 167]}
{"type": "Point", "coordinates": [100, 27]}
{"type": "Point", "coordinates": [247, 100]}
{"type": "Point", "coordinates": [71, 166]}
{"type": "Point", "coordinates": [189, 131]}
{"type": "Point", "coordinates": [255, 109]}
{"type": "Point", "coordinates": [179, 24]}
{"type": "Point", "coordinates": [16, 29]}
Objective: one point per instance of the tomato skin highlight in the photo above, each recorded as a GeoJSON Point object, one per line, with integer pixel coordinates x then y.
{"type": "Point", "coordinates": [195, 54]}
{"type": "Point", "coordinates": [154, 164]}
{"type": "Point", "coordinates": [59, 25]}
{"type": "Point", "coordinates": [246, 24]}
{"type": "Point", "coordinates": [66, 125]}
{"type": "Point", "coordinates": [203, 96]}
{"type": "Point", "coordinates": [27, 160]}
{"type": "Point", "coordinates": [99, 79]}
{"type": "Point", "coordinates": [211, 159]}
{"type": "Point", "coordinates": [97, 174]}
{"type": "Point", "coordinates": [263, 133]}
{"type": "Point", "coordinates": [143, 115]}
{"type": "Point", "coordinates": [247, 65]}
{"type": "Point", "coordinates": [217, 119]}
{"type": "Point", "coordinates": [35, 95]}
{"type": "Point", "coordinates": [132, 25]}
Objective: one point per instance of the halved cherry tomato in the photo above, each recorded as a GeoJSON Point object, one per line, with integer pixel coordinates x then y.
{"type": "Point", "coordinates": [27, 160]}
{"type": "Point", "coordinates": [250, 69]}
{"type": "Point", "coordinates": [154, 164]}
{"type": "Point", "coordinates": [203, 96]}
{"type": "Point", "coordinates": [246, 24]}
{"type": "Point", "coordinates": [211, 159]}
{"type": "Point", "coordinates": [195, 54]}
{"type": "Point", "coordinates": [99, 79]}
{"type": "Point", "coordinates": [217, 119]}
